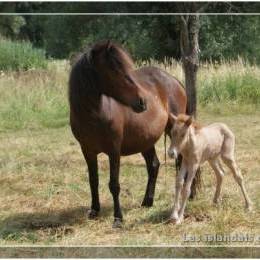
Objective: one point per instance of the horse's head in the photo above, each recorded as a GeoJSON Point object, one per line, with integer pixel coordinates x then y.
{"type": "Point", "coordinates": [116, 73]}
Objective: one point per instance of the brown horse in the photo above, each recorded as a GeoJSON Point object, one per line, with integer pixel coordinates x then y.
{"type": "Point", "coordinates": [118, 110]}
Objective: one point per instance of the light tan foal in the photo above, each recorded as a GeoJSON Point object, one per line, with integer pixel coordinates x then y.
{"type": "Point", "coordinates": [197, 145]}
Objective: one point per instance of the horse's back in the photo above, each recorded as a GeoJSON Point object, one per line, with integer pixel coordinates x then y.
{"type": "Point", "coordinates": [155, 79]}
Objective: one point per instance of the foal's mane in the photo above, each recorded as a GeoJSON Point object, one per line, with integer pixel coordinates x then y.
{"type": "Point", "coordinates": [183, 118]}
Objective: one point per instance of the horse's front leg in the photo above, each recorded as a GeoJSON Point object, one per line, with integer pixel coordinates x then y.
{"type": "Point", "coordinates": [187, 190]}
{"type": "Point", "coordinates": [114, 187]}
{"type": "Point", "coordinates": [152, 165]}
{"type": "Point", "coordinates": [91, 160]}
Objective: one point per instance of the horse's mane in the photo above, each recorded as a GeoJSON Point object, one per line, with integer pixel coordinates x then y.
{"type": "Point", "coordinates": [117, 57]}
{"type": "Point", "coordinates": [85, 82]}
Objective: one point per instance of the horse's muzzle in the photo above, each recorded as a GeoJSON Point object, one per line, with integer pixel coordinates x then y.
{"type": "Point", "coordinates": [140, 106]}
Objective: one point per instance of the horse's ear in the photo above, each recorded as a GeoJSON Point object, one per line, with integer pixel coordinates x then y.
{"type": "Point", "coordinates": [172, 118]}
{"type": "Point", "coordinates": [189, 121]}
{"type": "Point", "coordinates": [108, 46]}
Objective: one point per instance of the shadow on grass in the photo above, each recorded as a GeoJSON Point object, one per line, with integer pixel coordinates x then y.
{"type": "Point", "coordinates": [155, 217]}
{"type": "Point", "coordinates": [163, 217]}
{"type": "Point", "coordinates": [51, 222]}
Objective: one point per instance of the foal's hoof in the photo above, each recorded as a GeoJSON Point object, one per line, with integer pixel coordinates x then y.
{"type": "Point", "coordinates": [217, 202]}
{"type": "Point", "coordinates": [118, 223]}
{"type": "Point", "coordinates": [92, 214]}
{"type": "Point", "coordinates": [175, 221]}
{"type": "Point", "coordinates": [249, 208]}
{"type": "Point", "coordinates": [147, 202]}
{"type": "Point", "coordinates": [171, 221]}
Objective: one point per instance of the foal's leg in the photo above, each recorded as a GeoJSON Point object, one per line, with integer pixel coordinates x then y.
{"type": "Point", "coordinates": [152, 165]}
{"type": "Point", "coordinates": [195, 181]}
{"type": "Point", "coordinates": [178, 188]}
{"type": "Point", "coordinates": [216, 166]}
{"type": "Point", "coordinates": [114, 187]}
{"type": "Point", "coordinates": [186, 190]}
{"type": "Point", "coordinates": [91, 160]}
{"type": "Point", "coordinates": [230, 162]}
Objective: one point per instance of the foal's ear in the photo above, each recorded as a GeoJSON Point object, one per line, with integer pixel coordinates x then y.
{"type": "Point", "coordinates": [172, 118]}
{"type": "Point", "coordinates": [189, 121]}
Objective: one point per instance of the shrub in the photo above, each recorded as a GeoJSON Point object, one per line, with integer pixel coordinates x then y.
{"type": "Point", "coordinates": [20, 56]}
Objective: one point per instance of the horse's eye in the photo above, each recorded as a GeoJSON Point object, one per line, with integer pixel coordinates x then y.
{"type": "Point", "coordinates": [129, 79]}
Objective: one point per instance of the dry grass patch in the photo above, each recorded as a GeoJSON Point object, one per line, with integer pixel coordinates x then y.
{"type": "Point", "coordinates": [44, 193]}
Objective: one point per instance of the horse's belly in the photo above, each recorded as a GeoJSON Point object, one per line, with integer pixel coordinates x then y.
{"type": "Point", "coordinates": [137, 147]}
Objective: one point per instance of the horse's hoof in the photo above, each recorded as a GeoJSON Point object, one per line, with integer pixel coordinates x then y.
{"type": "Point", "coordinates": [92, 214]}
{"type": "Point", "coordinates": [118, 223]}
{"type": "Point", "coordinates": [147, 202]}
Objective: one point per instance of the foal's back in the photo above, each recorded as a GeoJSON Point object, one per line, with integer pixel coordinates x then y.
{"type": "Point", "coordinates": [217, 139]}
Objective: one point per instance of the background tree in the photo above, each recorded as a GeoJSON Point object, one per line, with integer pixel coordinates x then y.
{"type": "Point", "coordinates": [189, 46]}
{"type": "Point", "coordinates": [156, 37]}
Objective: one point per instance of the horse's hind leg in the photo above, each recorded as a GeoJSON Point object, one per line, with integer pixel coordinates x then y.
{"type": "Point", "coordinates": [218, 170]}
{"type": "Point", "coordinates": [230, 162]}
{"type": "Point", "coordinates": [152, 165]}
{"type": "Point", "coordinates": [91, 160]}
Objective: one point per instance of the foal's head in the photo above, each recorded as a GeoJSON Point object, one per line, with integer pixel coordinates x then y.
{"type": "Point", "coordinates": [116, 72]}
{"type": "Point", "coordinates": [179, 133]}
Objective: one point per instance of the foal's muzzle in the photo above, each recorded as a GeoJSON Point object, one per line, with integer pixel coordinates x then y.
{"type": "Point", "coordinates": [140, 105]}
{"type": "Point", "coordinates": [173, 153]}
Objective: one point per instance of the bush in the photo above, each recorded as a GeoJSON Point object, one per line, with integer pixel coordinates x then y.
{"type": "Point", "coordinates": [20, 56]}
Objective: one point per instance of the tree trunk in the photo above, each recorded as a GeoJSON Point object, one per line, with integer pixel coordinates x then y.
{"type": "Point", "coordinates": [190, 61]}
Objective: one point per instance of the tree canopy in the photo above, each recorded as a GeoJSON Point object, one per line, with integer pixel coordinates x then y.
{"type": "Point", "coordinates": [157, 37]}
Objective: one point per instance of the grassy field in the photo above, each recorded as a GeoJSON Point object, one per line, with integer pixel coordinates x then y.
{"type": "Point", "coordinates": [44, 191]}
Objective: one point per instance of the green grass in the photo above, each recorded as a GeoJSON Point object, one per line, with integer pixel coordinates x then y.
{"type": "Point", "coordinates": [20, 56]}
{"type": "Point", "coordinates": [234, 85]}
{"type": "Point", "coordinates": [34, 99]}
{"type": "Point", "coordinates": [38, 98]}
